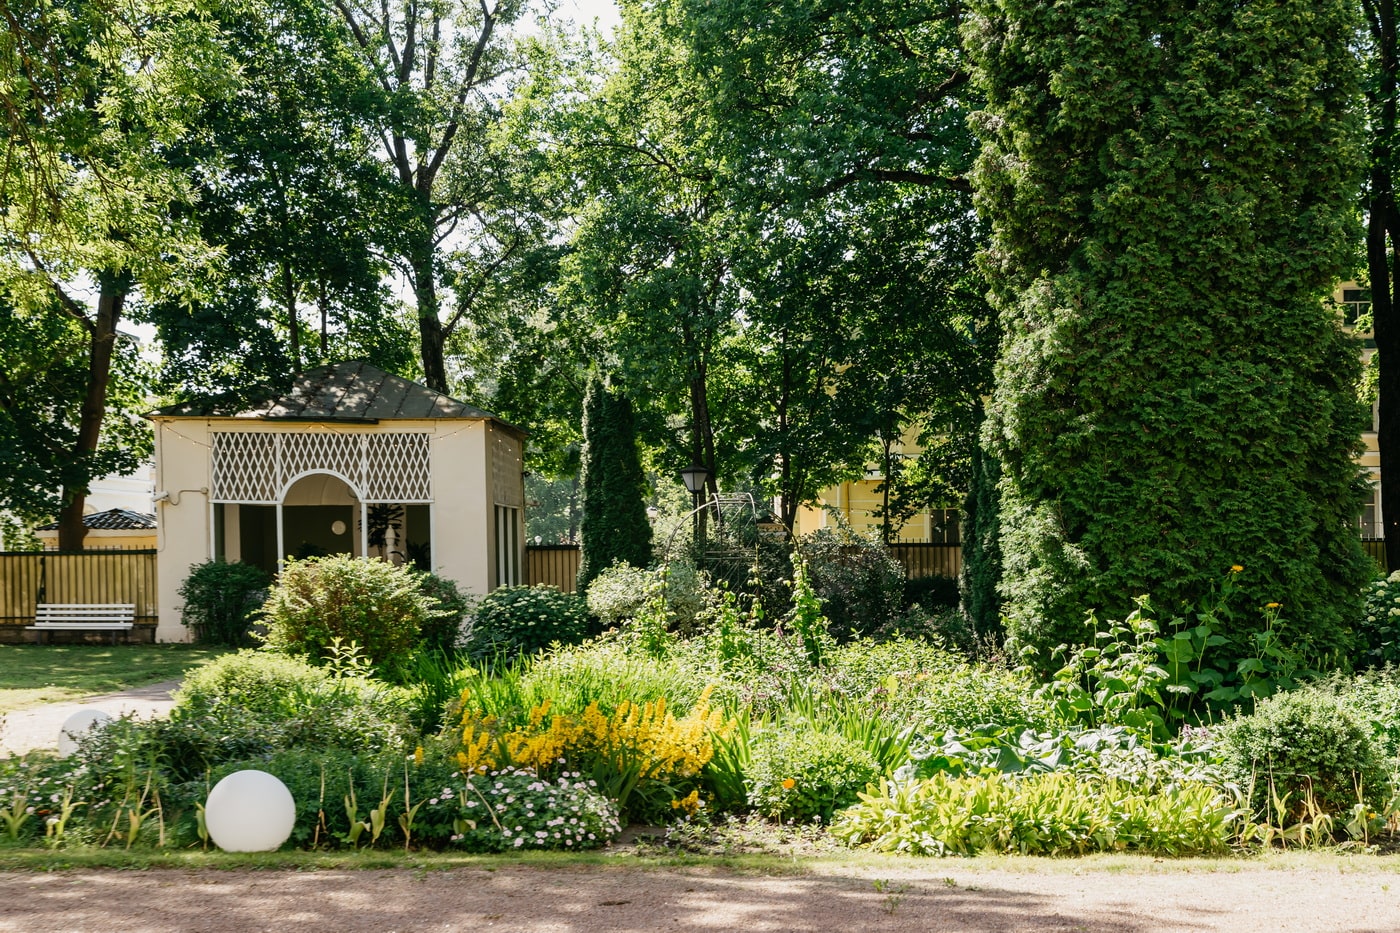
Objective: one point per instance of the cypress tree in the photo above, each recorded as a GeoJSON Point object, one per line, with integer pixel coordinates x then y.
{"type": "Point", "coordinates": [614, 524]}
{"type": "Point", "coordinates": [1170, 186]}
{"type": "Point", "coordinates": [981, 551]}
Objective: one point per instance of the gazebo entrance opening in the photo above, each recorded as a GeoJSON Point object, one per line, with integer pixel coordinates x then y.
{"type": "Point", "coordinates": [313, 493]}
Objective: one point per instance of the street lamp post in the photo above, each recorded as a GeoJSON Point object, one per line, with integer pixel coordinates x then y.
{"type": "Point", "coordinates": [695, 477]}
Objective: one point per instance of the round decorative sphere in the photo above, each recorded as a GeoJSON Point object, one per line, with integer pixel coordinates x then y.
{"type": "Point", "coordinates": [250, 811]}
{"type": "Point", "coordinates": [77, 726]}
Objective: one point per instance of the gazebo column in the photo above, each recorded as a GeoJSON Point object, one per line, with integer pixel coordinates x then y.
{"type": "Point", "coordinates": [364, 529]}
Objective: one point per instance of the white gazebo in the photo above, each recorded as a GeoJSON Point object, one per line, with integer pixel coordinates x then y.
{"type": "Point", "coordinates": [346, 460]}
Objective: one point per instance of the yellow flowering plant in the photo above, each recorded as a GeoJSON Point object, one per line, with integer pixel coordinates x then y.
{"type": "Point", "coordinates": [642, 755]}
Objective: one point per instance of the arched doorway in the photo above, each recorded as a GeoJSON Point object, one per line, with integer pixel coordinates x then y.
{"type": "Point", "coordinates": [320, 513]}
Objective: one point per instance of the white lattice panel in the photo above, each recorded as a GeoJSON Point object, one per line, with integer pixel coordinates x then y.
{"type": "Point", "coordinates": [244, 468]}
{"type": "Point", "coordinates": [397, 468]}
{"type": "Point", "coordinates": [254, 467]}
{"type": "Point", "coordinates": [313, 451]}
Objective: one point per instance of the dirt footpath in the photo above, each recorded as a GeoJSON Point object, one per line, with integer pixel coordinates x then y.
{"type": "Point", "coordinates": [30, 729]}
{"type": "Point", "coordinates": [932, 896]}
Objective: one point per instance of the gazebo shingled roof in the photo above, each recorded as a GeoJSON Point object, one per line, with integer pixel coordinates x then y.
{"type": "Point", "coordinates": [354, 391]}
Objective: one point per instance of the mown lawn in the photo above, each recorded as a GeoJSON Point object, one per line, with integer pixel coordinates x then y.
{"type": "Point", "coordinates": [31, 675]}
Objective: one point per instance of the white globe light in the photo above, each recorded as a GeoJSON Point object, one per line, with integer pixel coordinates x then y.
{"type": "Point", "coordinates": [77, 726]}
{"type": "Point", "coordinates": [250, 811]}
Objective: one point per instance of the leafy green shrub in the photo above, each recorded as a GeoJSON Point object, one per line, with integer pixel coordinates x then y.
{"type": "Point", "coordinates": [860, 585]}
{"type": "Point", "coordinates": [522, 620]}
{"type": "Point", "coordinates": [1044, 814]}
{"type": "Point", "coordinates": [805, 775]}
{"type": "Point", "coordinates": [1373, 698]}
{"type": "Point", "coordinates": [256, 702]}
{"type": "Point", "coordinates": [621, 592]}
{"type": "Point", "coordinates": [373, 603]}
{"type": "Point", "coordinates": [1379, 628]}
{"type": "Point", "coordinates": [320, 781]}
{"type": "Point", "coordinates": [448, 609]}
{"type": "Point", "coordinates": [924, 684]}
{"type": "Point", "coordinates": [221, 600]}
{"type": "Point", "coordinates": [1298, 748]}
{"type": "Point", "coordinates": [259, 684]}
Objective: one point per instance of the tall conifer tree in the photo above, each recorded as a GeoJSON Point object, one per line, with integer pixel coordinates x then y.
{"type": "Point", "coordinates": [614, 526]}
{"type": "Point", "coordinates": [1170, 186]}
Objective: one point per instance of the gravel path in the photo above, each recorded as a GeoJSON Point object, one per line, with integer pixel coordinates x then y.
{"type": "Point", "coordinates": [928, 896]}
{"type": "Point", "coordinates": [29, 729]}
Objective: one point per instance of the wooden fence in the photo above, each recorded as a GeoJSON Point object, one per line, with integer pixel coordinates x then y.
{"type": "Point", "coordinates": [557, 564]}
{"type": "Point", "coordinates": [33, 577]}
{"type": "Point", "coordinates": [928, 560]}
{"type": "Point", "coordinates": [552, 564]}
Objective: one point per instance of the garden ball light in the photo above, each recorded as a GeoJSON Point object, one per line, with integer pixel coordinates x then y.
{"type": "Point", "coordinates": [250, 811]}
{"type": "Point", "coordinates": [78, 725]}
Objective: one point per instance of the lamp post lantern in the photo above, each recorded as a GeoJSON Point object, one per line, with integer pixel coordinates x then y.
{"type": "Point", "coordinates": [695, 477]}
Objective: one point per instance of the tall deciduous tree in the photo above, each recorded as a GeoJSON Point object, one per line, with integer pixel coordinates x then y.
{"type": "Point", "coordinates": [292, 189]}
{"type": "Point", "coordinates": [614, 526]}
{"type": "Point", "coordinates": [94, 95]}
{"type": "Point", "coordinates": [1382, 257]}
{"type": "Point", "coordinates": [1168, 186]}
{"type": "Point", "coordinates": [440, 66]}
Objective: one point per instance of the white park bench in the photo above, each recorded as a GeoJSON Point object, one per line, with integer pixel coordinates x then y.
{"type": "Point", "coordinates": [83, 617]}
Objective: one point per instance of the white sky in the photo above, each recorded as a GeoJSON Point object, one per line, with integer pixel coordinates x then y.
{"type": "Point", "coordinates": [585, 11]}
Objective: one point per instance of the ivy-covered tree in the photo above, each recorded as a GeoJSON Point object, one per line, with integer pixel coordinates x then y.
{"type": "Point", "coordinates": [1170, 190]}
{"type": "Point", "coordinates": [614, 526]}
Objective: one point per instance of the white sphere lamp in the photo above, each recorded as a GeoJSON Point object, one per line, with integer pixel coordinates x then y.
{"type": "Point", "coordinates": [78, 725]}
{"type": "Point", "coordinates": [250, 811]}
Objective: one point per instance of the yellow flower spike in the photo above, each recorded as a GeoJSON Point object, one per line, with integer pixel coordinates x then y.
{"type": "Point", "coordinates": [418, 755]}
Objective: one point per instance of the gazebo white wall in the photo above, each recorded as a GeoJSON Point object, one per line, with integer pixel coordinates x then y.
{"type": "Point", "coordinates": [473, 475]}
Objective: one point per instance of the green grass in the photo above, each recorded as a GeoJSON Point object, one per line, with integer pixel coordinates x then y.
{"type": "Point", "coordinates": [841, 861]}
{"type": "Point", "coordinates": [31, 675]}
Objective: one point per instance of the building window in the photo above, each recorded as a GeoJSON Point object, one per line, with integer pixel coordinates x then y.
{"type": "Point", "coordinates": [507, 546]}
{"type": "Point", "coordinates": [1355, 302]}
{"type": "Point", "coordinates": [1371, 515]}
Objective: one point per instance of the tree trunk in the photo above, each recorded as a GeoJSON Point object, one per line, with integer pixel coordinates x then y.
{"type": "Point", "coordinates": [103, 337]}
{"type": "Point", "coordinates": [1383, 226]}
{"type": "Point", "coordinates": [323, 304]}
{"type": "Point", "coordinates": [289, 299]}
{"type": "Point", "coordinates": [430, 332]}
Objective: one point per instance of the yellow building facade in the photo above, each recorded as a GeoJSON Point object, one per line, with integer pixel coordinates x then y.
{"type": "Point", "coordinates": [858, 502]}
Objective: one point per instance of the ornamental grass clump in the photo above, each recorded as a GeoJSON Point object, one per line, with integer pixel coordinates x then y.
{"type": "Point", "coordinates": [641, 755]}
